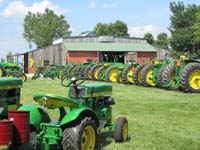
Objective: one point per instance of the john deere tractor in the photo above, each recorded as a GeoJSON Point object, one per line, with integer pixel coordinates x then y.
{"type": "Point", "coordinates": [82, 115]}
{"type": "Point", "coordinates": [12, 70]}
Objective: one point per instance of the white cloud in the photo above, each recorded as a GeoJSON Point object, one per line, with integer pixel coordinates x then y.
{"type": "Point", "coordinates": [1, 1]}
{"type": "Point", "coordinates": [92, 5]}
{"type": "Point", "coordinates": [17, 8]}
{"type": "Point", "coordinates": [110, 5]}
{"type": "Point", "coordinates": [139, 31]}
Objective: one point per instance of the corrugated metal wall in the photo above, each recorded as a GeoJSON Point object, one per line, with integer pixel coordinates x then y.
{"type": "Point", "coordinates": [55, 54]}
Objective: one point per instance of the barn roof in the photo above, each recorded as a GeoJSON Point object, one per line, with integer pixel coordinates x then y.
{"type": "Point", "coordinates": [88, 46]}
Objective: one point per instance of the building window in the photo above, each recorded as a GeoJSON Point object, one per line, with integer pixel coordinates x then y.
{"type": "Point", "coordinates": [46, 62]}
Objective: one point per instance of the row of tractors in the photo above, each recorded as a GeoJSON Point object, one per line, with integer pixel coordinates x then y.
{"type": "Point", "coordinates": [12, 70]}
{"type": "Point", "coordinates": [83, 114]}
{"type": "Point", "coordinates": [182, 73]}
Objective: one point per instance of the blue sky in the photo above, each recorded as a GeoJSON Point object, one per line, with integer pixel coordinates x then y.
{"type": "Point", "coordinates": [141, 16]}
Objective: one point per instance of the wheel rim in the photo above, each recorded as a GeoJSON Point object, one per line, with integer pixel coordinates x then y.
{"type": "Point", "coordinates": [149, 78]}
{"type": "Point", "coordinates": [139, 77]}
{"type": "Point", "coordinates": [96, 72]}
{"type": "Point", "coordinates": [125, 132]}
{"type": "Point", "coordinates": [113, 75]}
{"type": "Point", "coordinates": [1, 73]}
{"type": "Point", "coordinates": [194, 79]}
{"type": "Point", "coordinates": [88, 138]}
{"type": "Point", "coordinates": [130, 75]}
{"type": "Point", "coordinates": [89, 73]}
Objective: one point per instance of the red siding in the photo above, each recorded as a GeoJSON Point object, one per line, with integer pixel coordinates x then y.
{"type": "Point", "coordinates": [142, 57]}
{"type": "Point", "coordinates": [79, 57]}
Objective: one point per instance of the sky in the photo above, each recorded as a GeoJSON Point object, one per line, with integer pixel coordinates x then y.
{"type": "Point", "coordinates": [141, 16]}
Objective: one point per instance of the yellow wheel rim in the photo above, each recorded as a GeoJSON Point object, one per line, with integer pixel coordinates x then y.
{"type": "Point", "coordinates": [125, 132]}
{"type": "Point", "coordinates": [130, 75]}
{"type": "Point", "coordinates": [149, 78]}
{"type": "Point", "coordinates": [113, 75]}
{"type": "Point", "coordinates": [10, 75]}
{"type": "Point", "coordinates": [194, 79]}
{"type": "Point", "coordinates": [139, 77]}
{"type": "Point", "coordinates": [1, 73]}
{"type": "Point", "coordinates": [88, 138]}
{"type": "Point", "coordinates": [89, 74]}
{"type": "Point", "coordinates": [96, 72]}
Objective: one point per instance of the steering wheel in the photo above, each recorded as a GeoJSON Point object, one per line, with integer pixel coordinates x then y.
{"type": "Point", "coordinates": [75, 80]}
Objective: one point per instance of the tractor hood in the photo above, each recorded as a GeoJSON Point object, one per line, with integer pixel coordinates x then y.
{"type": "Point", "coordinates": [97, 89]}
{"type": "Point", "coordinates": [10, 83]}
{"type": "Point", "coordinates": [53, 101]}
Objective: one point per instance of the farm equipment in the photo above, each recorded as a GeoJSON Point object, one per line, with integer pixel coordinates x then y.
{"type": "Point", "coordinates": [39, 72]}
{"type": "Point", "coordinates": [149, 73]}
{"type": "Point", "coordinates": [127, 73]}
{"type": "Point", "coordinates": [183, 74]}
{"type": "Point", "coordinates": [83, 114]}
{"type": "Point", "coordinates": [12, 70]}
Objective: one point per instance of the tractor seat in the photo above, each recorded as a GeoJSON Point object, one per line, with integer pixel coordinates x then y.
{"type": "Point", "coordinates": [53, 101]}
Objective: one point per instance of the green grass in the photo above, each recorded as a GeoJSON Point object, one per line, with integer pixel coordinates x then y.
{"type": "Point", "coordinates": [158, 119]}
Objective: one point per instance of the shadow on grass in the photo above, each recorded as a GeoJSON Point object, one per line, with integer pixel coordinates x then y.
{"type": "Point", "coordinates": [104, 139]}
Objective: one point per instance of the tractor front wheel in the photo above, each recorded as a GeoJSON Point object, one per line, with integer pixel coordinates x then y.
{"type": "Point", "coordinates": [121, 130]}
{"type": "Point", "coordinates": [21, 76]}
{"type": "Point", "coordinates": [80, 137]}
{"type": "Point", "coordinates": [190, 78]}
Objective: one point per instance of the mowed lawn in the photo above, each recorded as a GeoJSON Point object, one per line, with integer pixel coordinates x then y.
{"type": "Point", "coordinates": [158, 119]}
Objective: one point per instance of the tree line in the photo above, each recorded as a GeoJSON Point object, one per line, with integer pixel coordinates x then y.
{"type": "Point", "coordinates": [42, 28]}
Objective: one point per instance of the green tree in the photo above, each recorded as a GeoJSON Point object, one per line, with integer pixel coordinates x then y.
{"type": "Point", "coordinates": [196, 28]}
{"type": "Point", "coordinates": [42, 28]}
{"type": "Point", "coordinates": [149, 37]}
{"type": "Point", "coordinates": [162, 40]}
{"type": "Point", "coordinates": [117, 28]}
{"type": "Point", "coordinates": [181, 28]}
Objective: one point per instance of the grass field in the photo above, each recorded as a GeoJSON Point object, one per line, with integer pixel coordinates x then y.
{"type": "Point", "coordinates": [158, 119]}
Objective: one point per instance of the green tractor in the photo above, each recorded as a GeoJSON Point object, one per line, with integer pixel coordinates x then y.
{"type": "Point", "coordinates": [12, 70]}
{"type": "Point", "coordinates": [183, 74]}
{"type": "Point", "coordinates": [39, 72]}
{"type": "Point", "coordinates": [82, 115]}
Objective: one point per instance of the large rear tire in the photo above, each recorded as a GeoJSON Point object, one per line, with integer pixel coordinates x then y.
{"type": "Point", "coordinates": [111, 74]}
{"type": "Point", "coordinates": [137, 74]}
{"type": "Point", "coordinates": [119, 77]}
{"type": "Point", "coordinates": [160, 76]}
{"type": "Point", "coordinates": [146, 76]}
{"type": "Point", "coordinates": [127, 74]}
{"type": "Point", "coordinates": [94, 71]}
{"type": "Point", "coordinates": [81, 136]}
{"type": "Point", "coordinates": [87, 73]}
{"type": "Point", "coordinates": [101, 73]}
{"type": "Point", "coordinates": [169, 74]}
{"type": "Point", "coordinates": [121, 130]}
{"type": "Point", "coordinates": [190, 78]}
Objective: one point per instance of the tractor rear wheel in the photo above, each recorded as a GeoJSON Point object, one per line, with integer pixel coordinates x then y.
{"type": "Point", "coordinates": [169, 74]}
{"type": "Point", "coordinates": [190, 78]}
{"type": "Point", "coordinates": [146, 76]}
{"type": "Point", "coordinates": [2, 72]}
{"type": "Point", "coordinates": [127, 74]}
{"type": "Point", "coordinates": [70, 70]}
{"type": "Point", "coordinates": [137, 74]}
{"type": "Point", "coordinates": [111, 74]}
{"type": "Point", "coordinates": [87, 73]}
{"type": "Point", "coordinates": [80, 137]}
{"type": "Point", "coordinates": [21, 76]}
{"type": "Point", "coordinates": [121, 130]}
{"type": "Point", "coordinates": [101, 73]}
{"type": "Point", "coordinates": [160, 76]}
{"type": "Point", "coordinates": [94, 71]}
{"type": "Point", "coordinates": [119, 77]}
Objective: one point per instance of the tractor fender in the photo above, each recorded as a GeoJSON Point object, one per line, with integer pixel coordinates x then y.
{"type": "Point", "coordinates": [37, 115]}
{"type": "Point", "coordinates": [79, 113]}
